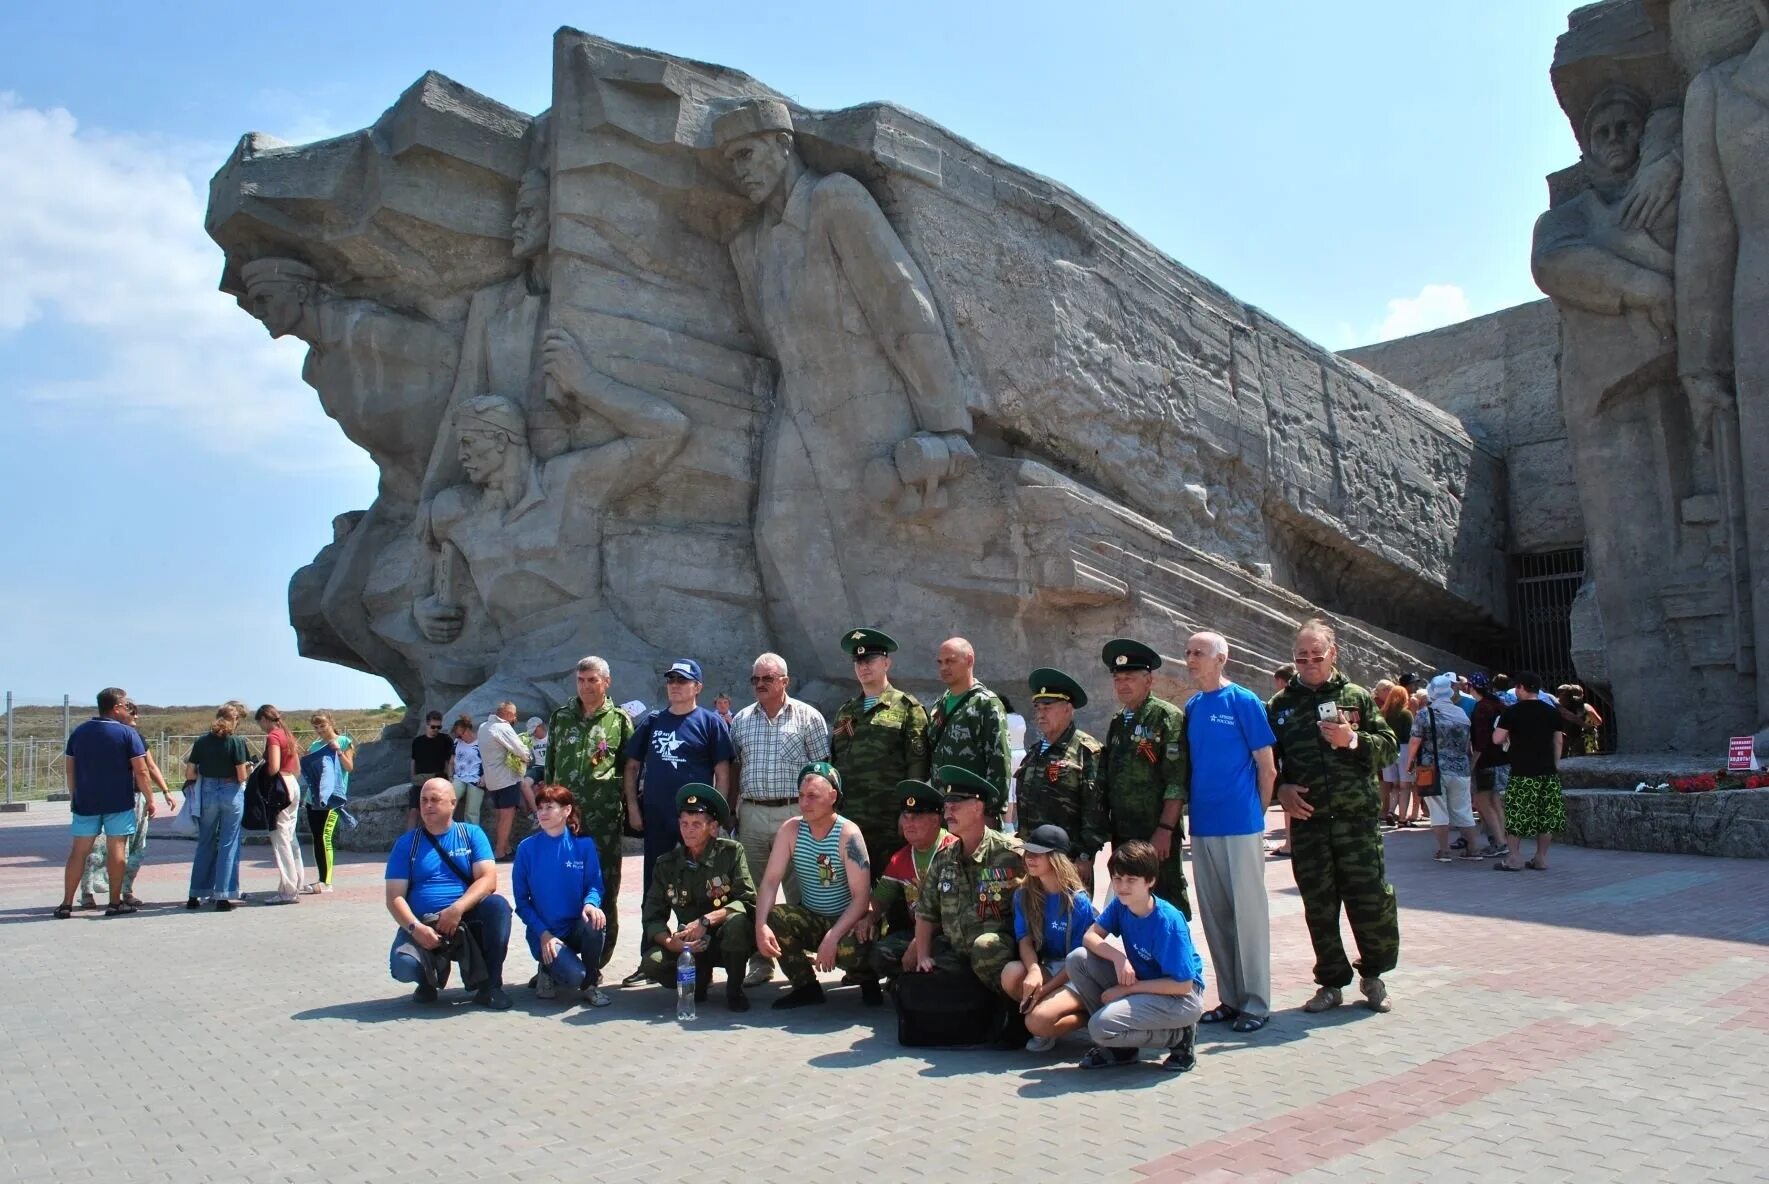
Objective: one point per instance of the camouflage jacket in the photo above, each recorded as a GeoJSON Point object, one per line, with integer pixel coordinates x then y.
{"type": "Point", "coordinates": [970, 895]}
{"type": "Point", "coordinates": [1059, 784]}
{"type": "Point", "coordinates": [873, 750]}
{"type": "Point", "coordinates": [1145, 763]}
{"type": "Point", "coordinates": [584, 754]}
{"type": "Point", "coordinates": [1342, 782]}
{"type": "Point", "coordinates": [688, 889]}
{"type": "Point", "coordinates": [975, 737]}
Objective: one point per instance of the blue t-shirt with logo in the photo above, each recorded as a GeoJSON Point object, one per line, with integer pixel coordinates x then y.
{"type": "Point", "coordinates": [431, 886]}
{"type": "Point", "coordinates": [1159, 945]}
{"type": "Point", "coordinates": [678, 749]}
{"type": "Point", "coordinates": [103, 781]}
{"type": "Point", "coordinates": [1062, 931]}
{"type": "Point", "coordinates": [1224, 728]}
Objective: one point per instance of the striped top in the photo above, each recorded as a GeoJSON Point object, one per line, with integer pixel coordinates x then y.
{"type": "Point", "coordinates": [821, 871]}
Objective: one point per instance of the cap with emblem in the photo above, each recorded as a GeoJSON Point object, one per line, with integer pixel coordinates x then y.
{"type": "Point", "coordinates": [919, 797]}
{"type": "Point", "coordinates": [1047, 839]}
{"type": "Point", "coordinates": [1121, 654]}
{"type": "Point", "coordinates": [1050, 684]}
{"type": "Point", "coordinates": [960, 784]}
{"type": "Point", "coordinates": [864, 643]}
{"type": "Point", "coordinates": [688, 668]}
{"type": "Point", "coordinates": [826, 771]}
{"type": "Point", "coordinates": [697, 797]}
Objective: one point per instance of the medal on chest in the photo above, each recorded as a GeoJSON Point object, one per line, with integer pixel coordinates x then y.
{"type": "Point", "coordinates": [846, 727]}
{"type": "Point", "coordinates": [1053, 772]}
{"type": "Point", "coordinates": [717, 889]}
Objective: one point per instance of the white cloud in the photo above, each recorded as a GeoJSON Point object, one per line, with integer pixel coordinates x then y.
{"type": "Point", "coordinates": [102, 243]}
{"type": "Point", "coordinates": [1435, 306]}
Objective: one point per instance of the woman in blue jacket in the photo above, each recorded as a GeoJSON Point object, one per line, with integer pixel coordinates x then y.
{"type": "Point", "coordinates": [558, 887]}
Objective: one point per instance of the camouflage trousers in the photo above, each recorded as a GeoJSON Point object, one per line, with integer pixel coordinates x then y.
{"type": "Point", "coordinates": [730, 946]}
{"type": "Point", "coordinates": [1170, 883]}
{"type": "Point", "coordinates": [888, 951]}
{"type": "Point", "coordinates": [985, 957]}
{"type": "Point", "coordinates": [1338, 862]}
{"type": "Point", "coordinates": [800, 931]}
{"type": "Point", "coordinates": [608, 855]}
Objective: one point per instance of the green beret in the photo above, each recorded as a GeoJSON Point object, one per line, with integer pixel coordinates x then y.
{"type": "Point", "coordinates": [697, 797]}
{"type": "Point", "coordinates": [824, 770]}
{"type": "Point", "coordinates": [960, 783]}
{"type": "Point", "coordinates": [1047, 682]}
{"type": "Point", "coordinates": [919, 797]}
{"type": "Point", "coordinates": [863, 643]}
{"type": "Point", "coordinates": [1121, 653]}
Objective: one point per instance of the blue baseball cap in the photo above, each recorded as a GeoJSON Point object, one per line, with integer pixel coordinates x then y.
{"type": "Point", "coordinates": [687, 667]}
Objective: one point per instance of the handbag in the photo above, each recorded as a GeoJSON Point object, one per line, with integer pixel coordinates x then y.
{"type": "Point", "coordinates": [1425, 776]}
{"type": "Point", "coordinates": [266, 797]}
{"type": "Point", "coordinates": [942, 1010]}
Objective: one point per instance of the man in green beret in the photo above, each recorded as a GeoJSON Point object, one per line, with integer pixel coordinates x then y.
{"type": "Point", "coordinates": [920, 820]}
{"type": "Point", "coordinates": [964, 913]}
{"type": "Point", "coordinates": [967, 726]}
{"type": "Point", "coordinates": [1145, 769]}
{"type": "Point", "coordinates": [827, 855]}
{"type": "Point", "coordinates": [1058, 782]}
{"type": "Point", "coordinates": [878, 738]}
{"type": "Point", "coordinates": [705, 883]}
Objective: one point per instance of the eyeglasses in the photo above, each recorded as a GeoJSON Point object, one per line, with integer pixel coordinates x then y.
{"type": "Point", "coordinates": [762, 680]}
{"type": "Point", "coordinates": [1309, 659]}
{"type": "Point", "coordinates": [677, 678]}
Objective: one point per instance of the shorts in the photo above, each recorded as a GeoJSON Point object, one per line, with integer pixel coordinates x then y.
{"type": "Point", "coordinates": [536, 774]}
{"type": "Point", "coordinates": [507, 798]}
{"type": "Point", "coordinates": [1393, 772]}
{"type": "Point", "coordinates": [1451, 807]}
{"type": "Point", "coordinates": [1492, 780]}
{"type": "Point", "coordinates": [117, 824]}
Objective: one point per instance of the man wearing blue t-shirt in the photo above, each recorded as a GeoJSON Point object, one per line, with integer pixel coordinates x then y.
{"type": "Point", "coordinates": [1233, 774]}
{"type": "Point", "coordinates": [106, 766]}
{"type": "Point", "coordinates": [671, 747]}
{"type": "Point", "coordinates": [442, 888]}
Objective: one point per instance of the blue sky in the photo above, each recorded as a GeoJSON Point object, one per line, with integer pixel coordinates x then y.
{"type": "Point", "coordinates": [1360, 171]}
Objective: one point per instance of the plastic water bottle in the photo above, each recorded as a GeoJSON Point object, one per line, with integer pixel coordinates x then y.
{"type": "Point", "coordinates": [685, 985]}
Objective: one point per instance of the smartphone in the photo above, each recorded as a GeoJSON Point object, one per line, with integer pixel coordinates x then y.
{"type": "Point", "coordinates": [1328, 713]}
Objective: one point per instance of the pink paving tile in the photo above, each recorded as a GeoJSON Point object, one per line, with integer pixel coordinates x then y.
{"type": "Point", "coordinates": [1346, 1122]}
{"type": "Point", "coordinates": [1753, 1001]}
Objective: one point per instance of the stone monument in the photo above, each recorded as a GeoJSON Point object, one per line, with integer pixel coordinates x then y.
{"type": "Point", "coordinates": [678, 367]}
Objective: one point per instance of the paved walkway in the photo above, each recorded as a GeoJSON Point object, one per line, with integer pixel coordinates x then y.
{"type": "Point", "coordinates": [1606, 1020]}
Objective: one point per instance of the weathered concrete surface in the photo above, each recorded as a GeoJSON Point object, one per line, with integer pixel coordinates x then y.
{"type": "Point", "coordinates": [1732, 823]}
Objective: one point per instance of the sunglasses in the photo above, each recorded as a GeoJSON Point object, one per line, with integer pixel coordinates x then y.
{"type": "Point", "coordinates": [762, 680]}
{"type": "Point", "coordinates": [677, 678]}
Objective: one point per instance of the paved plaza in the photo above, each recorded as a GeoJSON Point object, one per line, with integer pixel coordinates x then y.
{"type": "Point", "coordinates": [1608, 1019]}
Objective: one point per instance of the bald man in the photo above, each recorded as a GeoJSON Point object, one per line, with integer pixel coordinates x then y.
{"type": "Point", "coordinates": [968, 725]}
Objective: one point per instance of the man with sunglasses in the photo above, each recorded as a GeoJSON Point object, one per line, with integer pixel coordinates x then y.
{"type": "Point", "coordinates": [433, 755]}
{"type": "Point", "coordinates": [681, 743]}
{"type": "Point", "coordinates": [773, 738]}
{"type": "Point", "coordinates": [106, 766]}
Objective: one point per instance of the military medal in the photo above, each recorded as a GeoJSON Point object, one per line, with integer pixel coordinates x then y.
{"type": "Point", "coordinates": [1053, 772]}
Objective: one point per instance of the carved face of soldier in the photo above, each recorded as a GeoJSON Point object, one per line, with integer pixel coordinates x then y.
{"type": "Point", "coordinates": [758, 163]}
{"type": "Point", "coordinates": [1613, 138]}
{"type": "Point", "coordinates": [482, 454]}
{"type": "Point", "coordinates": [528, 229]}
{"type": "Point", "coordinates": [279, 304]}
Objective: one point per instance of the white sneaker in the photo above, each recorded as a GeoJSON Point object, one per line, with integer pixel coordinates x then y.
{"type": "Point", "coordinates": [595, 996]}
{"type": "Point", "coordinates": [543, 985]}
{"type": "Point", "coordinates": [322, 886]}
{"type": "Point", "coordinates": [1041, 1044]}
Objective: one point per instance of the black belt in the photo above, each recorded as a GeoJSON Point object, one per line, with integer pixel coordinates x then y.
{"type": "Point", "coordinates": [771, 801]}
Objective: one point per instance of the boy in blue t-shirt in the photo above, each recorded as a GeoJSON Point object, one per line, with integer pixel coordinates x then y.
{"type": "Point", "coordinates": [1148, 994]}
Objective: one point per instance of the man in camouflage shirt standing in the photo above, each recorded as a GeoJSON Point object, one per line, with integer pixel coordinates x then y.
{"type": "Point", "coordinates": [878, 738]}
{"type": "Point", "coordinates": [1058, 782]}
{"type": "Point", "coordinates": [586, 737]}
{"type": "Point", "coordinates": [1146, 768]}
{"type": "Point", "coordinates": [967, 726]}
{"type": "Point", "coordinates": [1331, 742]}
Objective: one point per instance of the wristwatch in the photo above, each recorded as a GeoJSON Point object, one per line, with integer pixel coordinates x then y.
{"type": "Point", "coordinates": [706, 922]}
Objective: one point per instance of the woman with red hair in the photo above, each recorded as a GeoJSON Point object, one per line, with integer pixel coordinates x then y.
{"type": "Point", "coordinates": [558, 890]}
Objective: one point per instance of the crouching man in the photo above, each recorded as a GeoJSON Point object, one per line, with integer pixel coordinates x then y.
{"type": "Point", "coordinates": [706, 884]}
{"type": "Point", "coordinates": [1147, 994]}
{"type": "Point", "coordinates": [442, 889]}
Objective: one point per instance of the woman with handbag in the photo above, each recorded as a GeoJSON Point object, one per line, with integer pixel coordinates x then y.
{"type": "Point", "coordinates": [1444, 732]}
{"type": "Point", "coordinates": [218, 763]}
{"type": "Point", "coordinates": [281, 761]}
{"type": "Point", "coordinates": [328, 787]}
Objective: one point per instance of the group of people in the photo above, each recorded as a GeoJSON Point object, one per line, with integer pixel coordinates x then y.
{"type": "Point", "coordinates": [875, 843]}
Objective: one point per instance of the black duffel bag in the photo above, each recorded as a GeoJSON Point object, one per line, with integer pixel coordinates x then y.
{"type": "Point", "coordinates": [941, 1010]}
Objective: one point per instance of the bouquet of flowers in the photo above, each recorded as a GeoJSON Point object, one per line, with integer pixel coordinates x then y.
{"type": "Point", "coordinates": [1719, 779]}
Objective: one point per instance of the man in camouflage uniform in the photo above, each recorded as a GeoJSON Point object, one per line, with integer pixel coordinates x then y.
{"type": "Point", "coordinates": [1058, 782]}
{"type": "Point", "coordinates": [1146, 767]}
{"type": "Point", "coordinates": [878, 738]}
{"type": "Point", "coordinates": [964, 914]}
{"type": "Point", "coordinates": [1331, 742]}
{"type": "Point", "coordinates": [967, 726]}
{"type": "Point", "coordinates": [586, 739]}
{"type": "Point", "coordinates": [705, 883]}
{"type": "Point", "coordinates": [919, 820]}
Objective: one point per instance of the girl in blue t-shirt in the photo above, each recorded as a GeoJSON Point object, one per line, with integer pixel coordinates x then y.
{"type": "Point", "coordinates": [1051, 913]}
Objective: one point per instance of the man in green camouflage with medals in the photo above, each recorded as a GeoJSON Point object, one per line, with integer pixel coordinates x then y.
{"type": "Point", "coordinates": [967, 726]}
{"type": "Point", "coordinates": [1332, 741]}
{"type": "Point", "coordinates": [1146, 767]}
{"type": "Point", "coordinates": [877, 738]}
{"type": "Point", "coordinates": [964, 915]}
{"type": "Point", "coordinates": [586, 737]}
{"type": "Point", "coordinates": [706, 885]}
{"type": "Point", "coordinates": [1058, 782]}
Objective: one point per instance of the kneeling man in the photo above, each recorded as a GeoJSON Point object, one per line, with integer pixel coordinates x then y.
{"type": "Point", "coordinates": [442, 888]}
{"type": "Point", "coordinates": [827, 855]}
{"type": "Point", "coordinates": [1147, 994]}
{"type": "Point", "coordinates": [705, 882]}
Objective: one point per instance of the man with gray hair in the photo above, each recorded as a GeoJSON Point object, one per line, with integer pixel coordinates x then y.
{"type": "Point", "coordinates": [1233, 773]}
{"type": "Point", "coordinates": [774, 738]}
{"type": "Point", "coordinates": [586, 753]}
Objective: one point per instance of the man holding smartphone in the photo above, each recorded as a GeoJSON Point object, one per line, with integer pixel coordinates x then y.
{"type": "Point", "coordinates": [1331, 741]}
